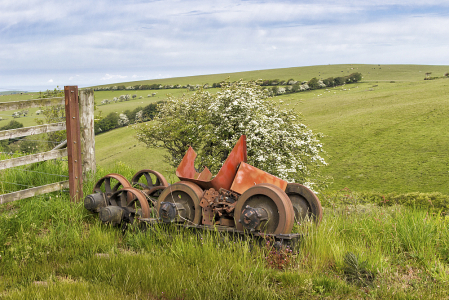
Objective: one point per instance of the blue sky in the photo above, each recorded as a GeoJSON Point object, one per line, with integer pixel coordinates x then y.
{"type": "Point", "coordinates": [48, 43]}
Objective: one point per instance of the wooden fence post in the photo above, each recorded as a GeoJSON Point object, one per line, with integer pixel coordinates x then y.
{"type": "Point", "coordinates": [87, 132]}
{"type": "Point", "coordinates": [73, 142]}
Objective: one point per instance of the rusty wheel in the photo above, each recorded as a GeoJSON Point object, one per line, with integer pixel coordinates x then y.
{"type": "Point", "coordinates": [110, 183]}
{"type": "Point", "coordinates": [184, 198]}
{"type": "Point", "coordinates": [264, 207]}
{"type": "Point", "coordinates": [103, 190]}
{"type": "Point", "coordinates": [305, 203]}
{"type": "Point", "coordinates": [152, 183]}
{"type": "Point", "coordinates": [125, 205]}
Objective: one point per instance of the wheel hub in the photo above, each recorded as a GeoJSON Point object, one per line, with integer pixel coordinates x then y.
{"type": "Point", "coordinates": [251, 218]}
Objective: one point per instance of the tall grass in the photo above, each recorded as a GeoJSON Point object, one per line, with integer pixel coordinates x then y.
{"type": "Point", "coordinates": [51, 248]}
{"type": "Point", "coordinates": [32, 175]}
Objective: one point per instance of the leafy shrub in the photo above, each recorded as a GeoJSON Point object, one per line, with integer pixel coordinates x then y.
{"type": "Point", "coordinates": [339, 80]}
{"type": "Point", "coordinates": [108, 123]}
{"type": "Point", "coordinates": [278, 142]}
{"type": "Point", "coordinates": [313, 83]}
{"type": "Point", "coordinates": [137, 115]}
{"type": "Point", "coordinates": [329, 82]}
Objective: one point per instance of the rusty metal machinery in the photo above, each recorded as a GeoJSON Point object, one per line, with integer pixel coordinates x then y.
{"type": "Point", "coordinates": [151, 183]}
{"type": "Point", "coordinates": [102, 191]}
{"type": "Point", "coordinates": [240, 198]}
{"type": "Point", "coordinates": [124, 205]}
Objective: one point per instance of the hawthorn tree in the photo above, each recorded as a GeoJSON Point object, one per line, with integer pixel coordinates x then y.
{"type": "Point", "coordinates": [277, 141]}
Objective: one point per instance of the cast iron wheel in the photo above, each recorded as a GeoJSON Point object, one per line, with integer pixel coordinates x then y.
{"type": "Point", "coordinates": [152, 183]}
{"type": "Point", "coordinates": [133, 201]}
{"type": "Point", "coordinates": [305, 203]}
{"type": "Point", "coordinates": [186, 193]}
{"type": "Point", "coordinates": [110, 183]}
{"type": "Point", "coordinates": [274, 201]}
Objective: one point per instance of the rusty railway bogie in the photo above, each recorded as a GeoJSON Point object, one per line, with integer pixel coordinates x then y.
{"type": "Point", "coordinates": [241, 198]}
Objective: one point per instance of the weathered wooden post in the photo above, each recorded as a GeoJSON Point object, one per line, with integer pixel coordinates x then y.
{"type": "Point", "coordinates": [73, 142]}
{"type": "Point", "coordinates": [87, 132]}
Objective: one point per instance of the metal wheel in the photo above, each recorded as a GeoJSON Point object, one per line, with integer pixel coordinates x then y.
{"type": "Point", "coordinates": [110, 183]}
{"type": "Point", "coordinates": [185, 198]}
{"type": "Point", "coordinates": [125, 205]}
{"type": "Point", "coordinates": [102, 191]}
{"type": "Point", "coordinates": [305, 203]}
{"type": "Point", "coordinates": [150, 182]}
{"type": "Point", "coordinates": [264, 207]}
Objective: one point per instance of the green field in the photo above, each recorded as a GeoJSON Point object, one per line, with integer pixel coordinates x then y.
{"type": "Point", "coordinates": [370, 72]}
{"type": "Point", "coordinates": [384, 134]}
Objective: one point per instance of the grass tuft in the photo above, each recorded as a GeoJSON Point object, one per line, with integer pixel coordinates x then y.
{"type": "Point", "coordinates": [356, 271]}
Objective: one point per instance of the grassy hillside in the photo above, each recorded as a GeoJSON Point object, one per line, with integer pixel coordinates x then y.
{"type": "Point", "coordinates": [371, 72]}
{"type": "Point", "coordinates": [390, 138]}
{"type": "Point", "coordinates": [385, 134]}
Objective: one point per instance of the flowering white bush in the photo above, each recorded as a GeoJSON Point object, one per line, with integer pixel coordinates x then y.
{"type": "Point", "coordinates": [123, 120]}
{"type": "Point", "coordinates": [277, 141]}
{"type": "Point", "coordinates": [139, 116]}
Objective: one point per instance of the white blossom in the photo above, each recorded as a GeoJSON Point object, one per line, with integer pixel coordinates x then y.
{"type": "Point", "coordinates": [123, 120]}
{"type": "Point", "coordinates": [276, 141]}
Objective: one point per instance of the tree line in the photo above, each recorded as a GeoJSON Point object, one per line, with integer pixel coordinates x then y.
{"type": "Point", "coordinates": [114, 120]}
{"type": "Point", "coordinates": [279, 86]}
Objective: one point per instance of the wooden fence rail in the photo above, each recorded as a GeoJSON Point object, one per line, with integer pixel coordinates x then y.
{"type": "Point", "coordinates": [80, 140]}
{"type": "Point", "coordinates": [19, 132]}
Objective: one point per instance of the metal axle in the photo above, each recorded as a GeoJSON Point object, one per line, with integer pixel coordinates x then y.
{"type": "Point", "coordinates": [251, 217]}
{"type": "Point", "coordinates": [112, 214]}
{"type": "Point", "coordinates": [94, 202]}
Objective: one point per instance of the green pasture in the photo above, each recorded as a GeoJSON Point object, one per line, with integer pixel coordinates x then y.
{"type": "Point", "coordinates": [119, 107]}
{"type": "Point", "coordinates": [29, 120]}
{"type": "Point", "coordinates": [388, 134]}
{"type": "Point", "coordinates": [382, 136]}
{"type": "Point", "coordinates": [370, 72]}
{"type": "Point", "coordinates": [119, 147]}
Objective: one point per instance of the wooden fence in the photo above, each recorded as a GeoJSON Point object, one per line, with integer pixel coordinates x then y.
{"type": "Point", "coordinates": [80, 140]}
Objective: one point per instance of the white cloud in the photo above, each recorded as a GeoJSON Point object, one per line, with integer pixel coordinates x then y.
{"type": "Point", "coordinates": [113, 77]}
{"type": "Point", "coordinates": [143, 40]}
{"type": "Point", "coordinates": [50, 81]}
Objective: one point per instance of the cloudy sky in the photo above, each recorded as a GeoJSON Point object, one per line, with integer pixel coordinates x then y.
{"type": "Point", "coordinates": [45, 43]}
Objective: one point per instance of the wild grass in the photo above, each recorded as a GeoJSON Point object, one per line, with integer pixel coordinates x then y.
{"type": "Point", "coordinates": [33, 175]}
{"type": "Point", "coordinates": [51, 248]}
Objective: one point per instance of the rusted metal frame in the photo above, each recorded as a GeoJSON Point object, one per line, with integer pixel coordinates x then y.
{"type": "Point", "coordinates": [33, 130]}
{"type": "Point", "coordinates": [73, 143]}
{"type": "Point", "coordinates": [44, 189]}
{"type": "Point", "coordinates": [33, 158]}
{"type": "Point", "coordinates": [291, 240]}
{"type": "Point", "coordinates": [13, 105]}
{"type": "Point", "coordinates": [225, 177]}
{"type": "Point", "coordinates": [87, 102]}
